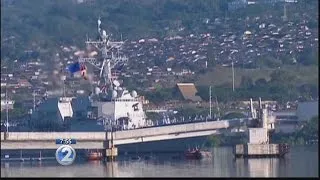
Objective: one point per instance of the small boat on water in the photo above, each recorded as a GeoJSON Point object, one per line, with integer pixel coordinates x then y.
{"type": "Point", "coordinates": [135, 158]}
{"type": "Point", "coordinates": [197, 154]}
{"type": "Point", "coordinates": [193, 154]}
{"type": "Point", "coordinates": [149, 157]}
{"type": "Point", "coordinates": [94, 155]}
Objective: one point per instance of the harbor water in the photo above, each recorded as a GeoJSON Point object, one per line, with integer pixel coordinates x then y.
{"type": "Point", "coordinates": [302, 161]}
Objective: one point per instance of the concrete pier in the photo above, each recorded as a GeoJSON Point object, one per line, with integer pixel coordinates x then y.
{"type": "Point", "coordinates": [261, 150]}
{"type": "Point", "coordinates": [111, 153]}
{"type": "Point", "coordinates": [258, 137]}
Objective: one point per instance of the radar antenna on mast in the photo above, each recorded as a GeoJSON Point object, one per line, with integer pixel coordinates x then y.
{"type": "Point", "coordinates": [108, 61]}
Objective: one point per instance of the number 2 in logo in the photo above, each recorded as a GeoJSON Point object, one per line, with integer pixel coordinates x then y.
{"type": "Point", "coordinates": [65, 155]}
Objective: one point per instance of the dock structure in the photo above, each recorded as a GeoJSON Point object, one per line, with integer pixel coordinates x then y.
{"type": "Point", "coordinates": [111, 150]}
{"type": "Point", "coordinates": [259, 144]}
{"type": "Point", "coordinates": [22, 159]}
{"type": "Point", "coordinates": [261, 150]}
{"type": "Point", "coordinates": [102, 140]}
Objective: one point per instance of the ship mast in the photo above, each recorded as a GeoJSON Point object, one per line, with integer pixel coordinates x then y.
{"type": "Point", "coordinates": [210, 97]}
{"type": "Point", "coordinates": [232, 77]}
{"type": "Point", "coordinates": [106, 89]}
{"type": "Point", "coordinates": [108, 62]}
{"type": "Point", "coordinates": [218, 116]}
{"type": "Point", "coordinates": [34, 100]}
{"type": "Point", "coordinates": [7, 113]}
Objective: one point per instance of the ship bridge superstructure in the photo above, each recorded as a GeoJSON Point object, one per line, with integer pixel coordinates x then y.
{"type": "Point", "coordinates": [113, 104]}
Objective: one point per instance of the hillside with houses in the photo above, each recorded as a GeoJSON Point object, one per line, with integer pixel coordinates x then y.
{"type": "Point", "coordinates": [272, 51]}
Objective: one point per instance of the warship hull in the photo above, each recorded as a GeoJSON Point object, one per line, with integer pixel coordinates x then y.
{"type": "Point", "coordinates": [164, 146]}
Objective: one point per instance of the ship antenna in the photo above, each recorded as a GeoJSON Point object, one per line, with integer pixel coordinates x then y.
{"type": "Point", "coordinates": [218, 108]}
{"type": "Point", "coordinates": [99, 23]}
{"type": "Point", "coordinates": [210, 103]}
{"type": "Point", "coordinates": [7, 113]}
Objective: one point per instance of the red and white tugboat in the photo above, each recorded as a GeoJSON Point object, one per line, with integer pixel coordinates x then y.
{"type": "Point", "coordinates": [94, 155]}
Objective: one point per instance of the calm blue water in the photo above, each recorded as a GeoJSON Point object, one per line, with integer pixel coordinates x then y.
{"type": "Point", "coordinates": [302, 161]}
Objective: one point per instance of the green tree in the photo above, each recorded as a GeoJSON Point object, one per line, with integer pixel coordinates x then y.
{"type": "Point", "coordinates": [261, 82]}
{"type": "Point", "coordinates": [162, 94]}
{"type": "Point", "coordinates": [213, 141]}
{"type": "Point", "coordinates": [246, 82]}
{"type": "Point", "coordinates": [308, 90]}
{"type": "Point", "coordinates": [273, 62]}
{"type": "Point", "coordinates": [211, 57]}
{"type": "Point", "coordinates": [308, 132]}
{"type": "Point", "coordinates": [233, 115]}
{"type": "Point", "coordinates": [311, 128]}
{"type": "Point", "coordinates": [308, 57]}
{"type": "Point", "coordinates": [281, 76]}
{"type": "Point", "coordinates": [153, 116]}
{"type": "Point", "coordinates": [203, 92]}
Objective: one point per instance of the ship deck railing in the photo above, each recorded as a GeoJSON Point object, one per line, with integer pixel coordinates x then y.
{"type": "Point", "coordinates": [168, 124]}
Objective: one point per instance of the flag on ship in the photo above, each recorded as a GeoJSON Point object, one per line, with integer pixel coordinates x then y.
{"type": "Point", "coordinates": [78, 67]}
{"type": "Point", "coordinates": [75, 67]}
